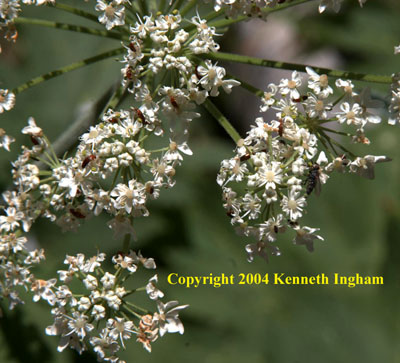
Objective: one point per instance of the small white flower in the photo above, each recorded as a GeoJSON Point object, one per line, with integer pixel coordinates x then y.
{"type": "Point", "coordinates": [129, 196]}
{"type": "Point", "coordinates": [290, 87]}
{"type": "Point", "coordinates": [108, 280]}
{"type": "Point", "coordinates": [365, 166]}
{"type": "Point", "coordinates": [84, 303]}
{"type": "Point", "coordinates": [351, 114]}
{"type": "Point", "coordinates": [168, 317]}
{"type": "Point", "coordinates": [146, 262]}
{"type": "Point", "coordinates": [90, 282]}
{"type": "Point", "coordinates": [113, 13]}
{"type": "Point", "coordinates": [79, 325]}
{"type": "Point", "coordinates": [98, 312]}
{"type": "Point", "coordinates": [306, 236]}
{"type": "Point", "coordinates": [269, 175]}
{"type": "Point", "coordinates": [44, 289]}
{"type": "Point", "coordinates": [5, 140]}
{"type": "Point", "coordinates": [319, 83]}
{"type": "Point", "coordinates": [269, 98]}
{"type": "Point", "coordinates": [293, 205]}
{"type": "Point", "coordinates": [7, 100]}
{"type": "Point", "coordinates": [271, 228]}
{"type": "Point", "coordinates": [10, 222]}
{"type": "Point", "coordinates": [32, 129]}
{"type": "Point", "coordinates": [151, 289]}
{"type": "Point", "coordinates": [120, 328]}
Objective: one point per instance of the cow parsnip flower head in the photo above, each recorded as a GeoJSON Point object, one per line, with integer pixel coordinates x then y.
{"type": "Point", "coordinates": [104, 318]}
{"type": "Point", "coordinates": [268, 182]}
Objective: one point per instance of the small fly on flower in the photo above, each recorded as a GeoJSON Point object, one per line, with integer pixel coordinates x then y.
{"type": "Point", "coordinates": [87, 160]}
{"type": "Point", "coordinates": [313, 182]}
{"type": "Point", "coordinates": [138, 114]}
{"type": "Point", "coordinates": [174, 103]}
{"type": "Point", "coordinates": [77, 213]}
{"type": "Point", "coordinates": [280, 128]}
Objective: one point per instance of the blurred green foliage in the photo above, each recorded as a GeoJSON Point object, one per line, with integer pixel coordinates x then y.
{"type": "Point", "coordinates": [189, 233]}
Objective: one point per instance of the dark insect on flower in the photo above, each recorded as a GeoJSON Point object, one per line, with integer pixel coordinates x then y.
{"type": "Point", "coordinates": [345, 161]}
{"type": "Point", "coordinates": [245, 157]}
{"type": "Point", "coordinates": [128, 73]}
{"type": "Point", "coordinates": [276, 229]}
{"type": "Point", "coordinates": [280, 128]}
{"type": "Point", "coordinates": [230, 213]}
{"type": "Point", "coordinates": [196, 72]}
{"type": "Point", "coordinates": [138, 114]}
{"type": "Point", "coordinates": [77, 213]}
{"type": "Point", "coordinates": [34, 140]}
{"type": "Point", "coordinates": [173, 102]}
{"type": "Point", "coordinates": [150, 189]}
{"type": "Point", "coordinates": [113, 120]}
{"type": "Point", "coordinates": [313, 182]}
{"type": "Point", "coordinates": [132, 47]}
{"type": "Point", "coordinates": [120, 253]}
{"type": "Point", "coordinates": [87, 160]}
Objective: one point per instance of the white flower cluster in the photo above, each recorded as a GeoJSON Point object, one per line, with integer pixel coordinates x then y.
{"type": "Point", "coordinates": [103, 318]}
{"type": "Point", "coordinates": [9, 9]}
{"type": "Point", "coordinates": [281, 162]}
{"type": "Point", "coordinates": [16, 263]}
{"type": "Point", "coordinates": [113, 170]}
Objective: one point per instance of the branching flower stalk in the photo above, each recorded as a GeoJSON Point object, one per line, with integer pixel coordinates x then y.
{"type": "Point", "coordinates": [169, 58]}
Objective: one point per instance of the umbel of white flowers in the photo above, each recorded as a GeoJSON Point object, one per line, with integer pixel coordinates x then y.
{"type": "Point", "coordinates": [266, 184]}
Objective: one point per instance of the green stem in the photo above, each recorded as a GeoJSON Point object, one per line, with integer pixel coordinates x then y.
{"type": "Point", "coordinates": [115, 178]}
{"type": "Point", "coordinates": [70, 27]}
{"type": "Point", "coordinates": [161, 7]}
{"type": "Point", "coordinates": [298, 67]}
{"type": "Point", "coordinates": [217, 114]}
{"type": "Point", "coordinates": [116, 98]}
{"type": "Point", "coordinates": [143, 7]}
{"type": "Point", "coordinates": [327, 129]}
{"type": "Point", "coordinates": [52, 152]}
{"type": "Point", "coordinates": [227, 22]}
{"type": "Point", "coordinates": [343, 148]}
{"type": "Point", "coordinates": [188, 7]}
{"type": "Point", "coordinates": [125, 246]}
{"type": "Point", "coordinates": [329, 140]}
{"type": "Point", "coordinates": [75, 11]}
{"type": "Point", "coordinates": [247, 86]}
{"type": "Point", "coordinates": [321, 139]}
{"type": "Point", "coordinates": [136, 307]}
{"type": "Point", "coordinates": [81, 124]}
{"type": "Point", "coordinates": [66, 69]}
{"type": "Point", "coordinates": [51, 166]}
{"type": "Point", "coordinates": [177, 5]}
{"type": "Point", "coordinates": [127, 308]}
{"type": "Point", "coordinates": [291, 159]}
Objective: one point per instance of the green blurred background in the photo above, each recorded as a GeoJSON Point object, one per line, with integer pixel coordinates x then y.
{"type": "Point", "coordinates": [189, 233]}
